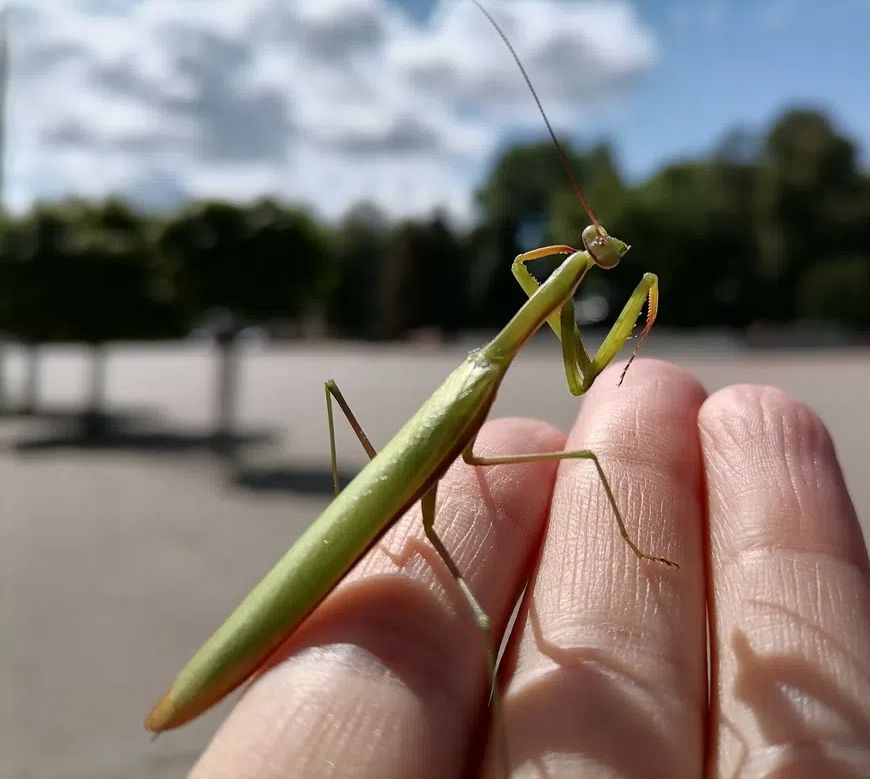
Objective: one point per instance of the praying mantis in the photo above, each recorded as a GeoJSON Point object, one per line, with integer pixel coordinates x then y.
{"type": "Point", "coordinates": [408, 468]}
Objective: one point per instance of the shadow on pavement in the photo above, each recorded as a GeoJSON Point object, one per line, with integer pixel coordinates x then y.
{"type": "Point", "coordinates": [133, 431]}
{"type": "Point", "coordinates": [311, 481]}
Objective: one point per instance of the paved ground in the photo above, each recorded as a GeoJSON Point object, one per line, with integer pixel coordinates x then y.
{"type": "Point", "coordinates": [115, 563]}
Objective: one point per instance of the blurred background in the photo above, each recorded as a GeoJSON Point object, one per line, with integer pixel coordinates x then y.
{"type": "Point", "coordinates": [209, 208]}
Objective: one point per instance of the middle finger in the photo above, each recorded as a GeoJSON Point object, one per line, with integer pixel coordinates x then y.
{"type": "Point", "coordinates": [608, 676]}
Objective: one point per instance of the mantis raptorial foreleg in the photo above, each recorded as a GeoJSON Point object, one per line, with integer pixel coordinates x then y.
{"type": "Point", "coordinates": [646, 290]}
{"type": "Point", "coordinates": [580, 454]}
{"type": "Point", "coordinates": [580, 370]}
{"type": "Point", "coordinates": [332, 391]}
{"type": "Point", "coordinates": [530, 286]}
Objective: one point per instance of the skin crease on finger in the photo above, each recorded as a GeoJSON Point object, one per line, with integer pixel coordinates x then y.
{"type": "Point", "coordinates": [791, 594]}
{"type": "Point", "coordinates": [608, 676]}
{"type": "Point", "coordinates": [388, 677]}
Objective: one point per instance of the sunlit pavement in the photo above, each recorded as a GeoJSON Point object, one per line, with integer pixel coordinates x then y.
{"type": "Point", "coordinates": [117, 560]}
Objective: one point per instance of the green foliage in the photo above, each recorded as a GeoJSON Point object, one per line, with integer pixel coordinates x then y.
{"type": "Point", "coordinates": [735, 238]}
{"type": "Point", "coordinates": [807, 180]}
{"type": "Point", "coordinates": [260, 262]}
{"type": "Point", "coordinates": [424, 279]}
{"type": "Point", "coordinates": [84, 272]}
{"type": "Point", "coordinates": [837, 290]}
{"type": "Point", "coordinates": [360, 248]}
{"type": "Point", "coordinates": [690, 224]}
{"type": "Point", "coordinates": [767, 227]}
{"type": "Point", "coordinates": [528, 201]}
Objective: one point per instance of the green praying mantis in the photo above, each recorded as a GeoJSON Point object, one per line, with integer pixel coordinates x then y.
{"type": "Point", "coordinates": [410, 466]}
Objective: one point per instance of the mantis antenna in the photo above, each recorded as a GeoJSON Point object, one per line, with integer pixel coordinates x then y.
{"type": "Point", "coordinates": [564, 157]}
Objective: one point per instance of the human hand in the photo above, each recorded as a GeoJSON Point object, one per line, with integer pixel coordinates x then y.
{"type": "Point", "coordinates": [607, 671]}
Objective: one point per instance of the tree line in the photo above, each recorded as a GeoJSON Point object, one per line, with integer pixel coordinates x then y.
{"type": "Point", "coordinates": [766, 228]}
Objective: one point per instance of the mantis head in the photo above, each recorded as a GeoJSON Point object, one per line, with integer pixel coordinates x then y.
{"type": "Point", "coordinates": [606, 251]}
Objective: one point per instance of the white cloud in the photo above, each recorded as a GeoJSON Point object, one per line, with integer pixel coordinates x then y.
{"type": "Point", "coordinates": [325, 102]}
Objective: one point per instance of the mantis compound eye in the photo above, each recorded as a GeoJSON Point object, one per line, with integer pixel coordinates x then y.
{"type": "Point", "coordinates": [606, 251]}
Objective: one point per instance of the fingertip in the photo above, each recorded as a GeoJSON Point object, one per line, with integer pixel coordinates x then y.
{"type": "Point", "coordinates": [645, 367]}
{"type": "Point", "coordinates": [773, 476]}
{"type": "Point", "coordinates": [647, 376]}
{"type": "Point", "coordinates": [651, 419]}
{"type": "Point", "coordinates": [746, 411]}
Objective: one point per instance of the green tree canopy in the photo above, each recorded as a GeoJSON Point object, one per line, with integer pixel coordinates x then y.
{"type": "Point", "coordinates": [361, 245]}
{"type": "Point", "coordinates": [86, 272]}
{"type": "Point", "coordinates": [260, 262]}
{"type": "Point", "coordinates": [810, 205]}
{"type": "Point", "coordinates": [424, 278]}
{"type": "Point", "coordinates": [771, 225]}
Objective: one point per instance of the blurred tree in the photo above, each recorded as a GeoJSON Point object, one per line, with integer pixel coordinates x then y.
{"type": "Point", "coordinates": [515, 201]}
{"type": "Point", "coordinates": [361, 248]}
{"type": "Point", "coordinates": [27, 243]}
{"type": "Point", "coordinates": [601, 295]}
{"type": "Point", "coordinates": [85, 272]}
{"type": "Point", "coordinates": [493, 294]}
{"type": "Point", "coordinates": [114, 286]}
{"type": "Point", "coordinates": [424, 281]}
{"type": "Point", "coordinates": [604, 188]}
{"type": "Point", "coordinates": [261, 262]}
{"type": "Point", "coordinates": [836, 290]}
{"type": "Point", "coordinates": [7, 297]}
{"type": "Point", "coordinates": [444, 293]}
{"type": "Point", "coordinates": [691, 225]}
{"type": "Point", "coordinates": [810, 207]}
{"type": "Point", "coordinates": [240, 264]}
{"type": "Point", "coordinates": [401, 285]}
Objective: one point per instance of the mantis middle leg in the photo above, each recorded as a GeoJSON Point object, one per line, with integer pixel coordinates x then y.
{"type": "Point", "coordinates": [579, 454]}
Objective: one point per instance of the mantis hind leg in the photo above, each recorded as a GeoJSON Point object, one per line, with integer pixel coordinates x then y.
{"type": "Point", "coordinates": [530, 284]}
{"type": "Point", "coordinates": [481, 618]}
{"type": "Point", "coordinates": [580, 454]}
{"type": "Point", "coordinates": [332, 391]}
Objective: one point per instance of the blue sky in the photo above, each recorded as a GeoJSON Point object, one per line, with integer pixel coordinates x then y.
{"type": "Point", "coordinates": [400, 102]}
{"type": "Point", "coordinates": [740, 63]}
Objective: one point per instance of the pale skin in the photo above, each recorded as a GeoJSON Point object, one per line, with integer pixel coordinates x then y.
{"type": "Point", "coordinates": [606, 674]}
